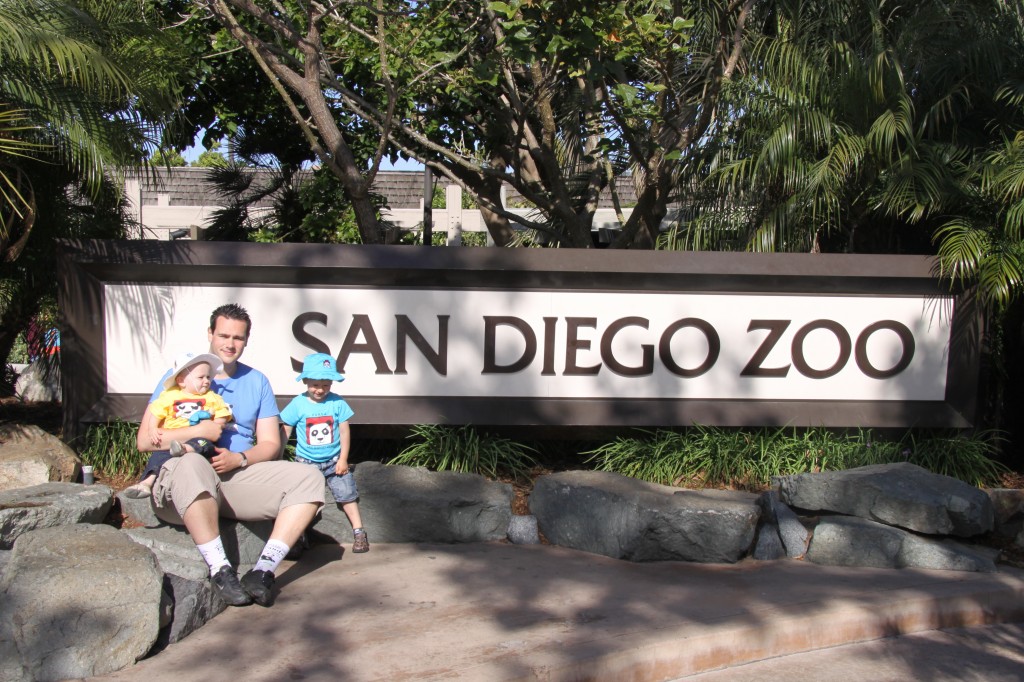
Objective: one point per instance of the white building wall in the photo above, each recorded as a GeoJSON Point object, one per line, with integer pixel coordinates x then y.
{"type": "Point", "coordinates": [159, 221]}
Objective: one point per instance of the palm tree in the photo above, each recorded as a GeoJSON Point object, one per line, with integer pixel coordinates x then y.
{"type": "Point", "coordinates": [984, 243]}
{"type": "Point", "coordinates": [858, 124]}
{"type": "Point", "coordinates": [82, 91]}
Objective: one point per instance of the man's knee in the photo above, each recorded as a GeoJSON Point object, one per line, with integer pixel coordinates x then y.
{"type": "Point", "coordinates": [307, 485]}
{"type": "Point", "coordinates": [183, 480]}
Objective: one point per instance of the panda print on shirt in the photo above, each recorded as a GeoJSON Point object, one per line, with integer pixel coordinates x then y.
{"type": "Point", "coordinates": [183, 409]}
{"type": "Point", "coordinates": [319, 431]}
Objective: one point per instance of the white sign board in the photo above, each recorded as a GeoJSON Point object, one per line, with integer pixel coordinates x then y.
{"type": "Point", "coordinates": [474, 343]}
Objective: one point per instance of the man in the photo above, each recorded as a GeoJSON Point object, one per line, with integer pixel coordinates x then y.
{"type": "Point", "coordinates": [245, 479]}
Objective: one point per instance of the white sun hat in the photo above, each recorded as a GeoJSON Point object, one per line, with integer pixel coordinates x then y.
{"type": "Point", "coordinates": [187, 360]}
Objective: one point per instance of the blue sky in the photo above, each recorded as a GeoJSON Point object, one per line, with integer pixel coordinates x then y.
{"type": "Point", "coordinates": [193, 152]}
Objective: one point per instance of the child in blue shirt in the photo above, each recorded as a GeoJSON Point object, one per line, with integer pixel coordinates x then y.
{"type": "Point", "coordinates": [322, 436]}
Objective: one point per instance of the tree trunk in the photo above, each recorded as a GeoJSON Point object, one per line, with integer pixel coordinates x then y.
{"type": "Point", "coordinates": [488, 189]}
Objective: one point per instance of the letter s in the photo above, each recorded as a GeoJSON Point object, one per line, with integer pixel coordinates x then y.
{"type": "Point", "coordinates": [307, 339]}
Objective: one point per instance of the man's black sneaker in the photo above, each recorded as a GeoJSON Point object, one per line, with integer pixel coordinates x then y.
{"type": "Point", "coordinates": [260, 586]}
{"type": "Point", "coordinates": [226, 582]}
{"type": "Point", "coordinates": [299, 548]}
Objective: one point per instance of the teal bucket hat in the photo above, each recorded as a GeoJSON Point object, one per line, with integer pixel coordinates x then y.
{"type": "Point", "coordinates": [319, 367]}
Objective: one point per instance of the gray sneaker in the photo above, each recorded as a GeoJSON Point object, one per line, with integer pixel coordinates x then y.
{"type": "Point", "coordinates": [361, 543]}
{"type": "Point", "coordinates": [226, 582]}
{"type": "Point", "coordinates": [177, 449]}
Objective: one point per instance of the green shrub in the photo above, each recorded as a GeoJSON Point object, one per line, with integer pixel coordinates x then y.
{"type": "Point", "coordinates": [446, 448]}
{"type": "Point", "coordinates": [19, 351]}
{"type": "Point", "coordinates": [112, 448]}
{"type": "Point", "coordinates": [715, 457]}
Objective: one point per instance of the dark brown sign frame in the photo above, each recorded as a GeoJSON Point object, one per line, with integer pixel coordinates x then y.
{"type": "Point", "coordinates": [86, 266]}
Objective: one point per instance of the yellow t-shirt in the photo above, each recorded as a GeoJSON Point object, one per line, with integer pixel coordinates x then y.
{"type": "Point", "coordinates": [174, 406]}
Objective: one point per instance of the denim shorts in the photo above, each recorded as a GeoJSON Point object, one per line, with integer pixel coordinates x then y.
{"type": "Point", "coordinates": [342, 487]}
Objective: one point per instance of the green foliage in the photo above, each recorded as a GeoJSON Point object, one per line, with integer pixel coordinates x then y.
{"type": "Point", "coordinates": [84, 89]}
{"type": "Point", "coordinates": [474, 239]}
{"type": "Point", "coordinates": [866, 126]}
{"type": "Point", "coordinates": [714, 457]}
{"type": "Point", "coordinates": [112, 448]}
{"type": "Point", "coordinates": [328, 217]}
{"type": "Point", "coordinates": [211, 158]}
{"type": "Point", "coordinates": [463, 449]}
{"type": "Point", "coordinates": [225, 95]}
{"type": "Point", "coordinates": [90, 80]}
{"type": "Point", "coordinates": [555, 99]}
{"type": "Point", "coordinates": [19, 352]}
{"type": "Point", "coordinates": [985, 243]}
{"type": "Point", "coordinates": [271, 203]}
{"type": "Point", "coordinates": [440, 238]}
{"type": "Point", "coordinates": [169, 158]}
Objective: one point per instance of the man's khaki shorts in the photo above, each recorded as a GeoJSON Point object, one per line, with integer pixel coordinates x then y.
{"type": "Point", "coordinates": [258, 492]}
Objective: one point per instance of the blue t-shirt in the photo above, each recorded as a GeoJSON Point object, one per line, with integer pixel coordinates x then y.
{"type": "Point", "coordinates": [317, 437]}
{"type": "Point", "coordinates": [251, 398]}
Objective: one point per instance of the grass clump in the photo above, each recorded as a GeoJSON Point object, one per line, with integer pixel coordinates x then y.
{"type": "Point", "coordinates": [714, 457]}
{"type": "Point", "coordinates": [112, 449]}
{"type": "Point", "coordinates": [463, 449]}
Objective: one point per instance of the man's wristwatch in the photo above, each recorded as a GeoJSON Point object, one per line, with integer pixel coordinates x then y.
{"type": "Point", "coordinates": [245, 461]}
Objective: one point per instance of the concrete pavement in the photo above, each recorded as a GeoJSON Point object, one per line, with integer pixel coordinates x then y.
{"type": "Point", "coordinates": [506, 612]}
{"type": "Point", "coordinates": [990, 653]}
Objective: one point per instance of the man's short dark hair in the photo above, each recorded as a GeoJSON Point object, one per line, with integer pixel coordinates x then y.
{"type": "Point", "coordinates": [231, 311]}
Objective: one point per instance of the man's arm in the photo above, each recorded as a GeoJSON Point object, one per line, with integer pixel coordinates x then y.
{"type": "Point", "coordinates": [268, 440]}
{"type": "Point", "coordinates": [268, 447]}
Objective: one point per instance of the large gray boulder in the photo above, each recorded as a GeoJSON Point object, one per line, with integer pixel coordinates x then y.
{"type": "Point", "coordinates": [903, 495]}
{"type": "Point", "coordinates": [192, 604]}
{"type": "Point", "coordinates": [624, 518]}
{"type": "Point", "coordinates": [243, 542]}
{"type": "Point", "coordinates": [194, 601]}
{"type": "Point", "coordinates": [407, 504]}
{"type": "Point", "coordinates": [77, 601]}
{"type": "Point", "coordinates": [781, 533]}
{"type": "Point", "coordinates": [174, 550]}
{"type": "Point", "coordinates": [138, 510]}
{"type": "Point", "coordinates": [1008, 505]}
{"type": "Point", "coordinates": [769, 545]}
{"type": "Point", "coordinates": [30, 456]}
{"type": "Point", "coordinates": [51, 504]}
{"type": "Point", "coordinates": [794, 536]}
{"type": "Point", "coordinates": [852, 541]}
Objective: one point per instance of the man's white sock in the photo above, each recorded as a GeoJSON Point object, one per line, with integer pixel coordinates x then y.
{"type": "Point", "coordinates": [271, 556]}
{"type": "Point", "coordinates": [214, 554]}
